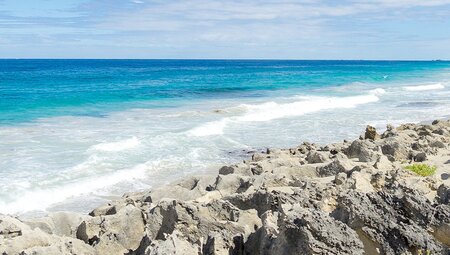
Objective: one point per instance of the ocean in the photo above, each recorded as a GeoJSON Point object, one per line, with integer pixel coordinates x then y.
{"type": "Point", "coordinates": [77, 133]}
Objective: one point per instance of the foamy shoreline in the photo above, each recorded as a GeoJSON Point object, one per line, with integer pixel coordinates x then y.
{"type": "Point", "coordinates": [346, 197]}
{"type": "Point", "coordinates": [60, 167]}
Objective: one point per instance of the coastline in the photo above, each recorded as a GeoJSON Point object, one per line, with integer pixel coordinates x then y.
{"type": "Point", "coordinates": [343, 198]}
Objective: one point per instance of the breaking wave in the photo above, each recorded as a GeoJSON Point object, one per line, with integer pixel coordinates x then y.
{"type": "Point", "coordinates": [272, 110]}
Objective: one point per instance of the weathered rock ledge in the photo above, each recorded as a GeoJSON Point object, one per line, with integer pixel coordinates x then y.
{"type": "Point", "coordinates": [344, 198]}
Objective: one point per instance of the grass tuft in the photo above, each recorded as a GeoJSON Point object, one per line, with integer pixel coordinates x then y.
{"type": "Point", "coordinates": [422, 169]}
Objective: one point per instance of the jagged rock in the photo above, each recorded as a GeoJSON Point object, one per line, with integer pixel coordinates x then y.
{"type": "Point", "coordinates": [188, 189]}
{"type": "Point", "coordinates": [438, 144]}
{"type": "Point", "coordinates": [383, 163]}
{"type": "Point", "coordinates": [59, 223]}
{"type": "Point", "coordinates": [104, 210]}
{"type": "Point", "coordinates": [314, 157]}
{"type": "Point", "coordinates": [340, 178]}
{"type": "Point", "coordinates": [395, 148]}
{"type": "Point", "coordinates": [241, 169]}
{"type": "Point", "coordinates": [371, 133]}
{"type": "Point", "coordinates": [441, 131]}
{"type": "Point", "coordinates": [227, 184]}
{"type": "Point", "coordinates": [226, 170]}
{"type": "Point", "coordinates": [19, 238]}
{"type": "Point", "coordinates": [378, 180]}
{"type": "Point", "coordinates": [258, 157]}
{"type": "Point", "coordinates": [89, 230]}
{"type": "Point", "coordinates": [362, 181]}
{"type": "Point", "coordinates": [198, 221]}
{"type": "Point", "coordinates": [377, 217]}
{"type": "Point", "coordinates": [364, 150]}
{"type": "Point", "coordinates": [344, 198]}
{"type": "Point", "coordinates": [11, 227]}
{"type": "Point", "coordinates": [307, 231]}
{"type": "Point", "coordinates": [172, 245]}
{"type": "Point", "coordinates": [114, 234]}
{"type": "Point", "coordinates": [420, 157]}
{"type": "Point", "coordinates": [336, 166]}
{"type": "Point", "coordinates": [443, 193]}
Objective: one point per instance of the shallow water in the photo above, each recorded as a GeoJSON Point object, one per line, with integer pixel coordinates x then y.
{"type": "Point", "coordinates": [73, 133]}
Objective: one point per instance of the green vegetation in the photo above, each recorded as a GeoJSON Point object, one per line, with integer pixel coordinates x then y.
{"type": "Point", "coordinates": [422, 169]}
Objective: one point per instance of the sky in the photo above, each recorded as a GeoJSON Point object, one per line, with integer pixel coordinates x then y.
{"type": "Point", "coordinates": [205, 29]}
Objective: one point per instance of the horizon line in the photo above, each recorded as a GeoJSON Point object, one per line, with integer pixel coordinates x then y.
{"type": "Point", "coordinates": [234, 59]}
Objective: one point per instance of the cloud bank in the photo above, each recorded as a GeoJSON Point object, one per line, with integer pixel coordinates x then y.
{"type": "Point", "coordinates": [302, 29]}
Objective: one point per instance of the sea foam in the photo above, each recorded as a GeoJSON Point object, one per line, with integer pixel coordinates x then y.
{"type": "Point", "coordinates": [424, 87]}
{"type": "Point", "coordinates": [271, 110]}
{"type": "Point", "coordinates": [117, 146]}
{"type": "Point", "coordinates": [377, 92]}
{"type": "Point", "coordinates": [40, 199]}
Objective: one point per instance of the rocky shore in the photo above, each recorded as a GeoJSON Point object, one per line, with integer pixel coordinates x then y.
{"type": "Point", "coordinates": [354, 197]}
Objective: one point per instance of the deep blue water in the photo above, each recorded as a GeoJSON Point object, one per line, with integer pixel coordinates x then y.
{"type": "Point", "coordinates": [32, 89]}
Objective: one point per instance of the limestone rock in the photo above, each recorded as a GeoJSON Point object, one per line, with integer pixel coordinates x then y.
{"type": "Point", "coordinates": [378, 218]}
{"type": "Point", "coordinates": [19, 238]}
{"type": "Point", "coordinates": [336, 166]}
{"type": "Point", "coordinates": [306, 231]}
{"type": "Point", "coordinates": [188, 189]}
{"type": "Point", "coordinates": [371, 133]}
{"type": "Point", "coordinates": [364, 150]}
{"type": "Point", "coordinates": [173, 245]}
{"type": "Point", "coordinates": [114, 234]}
{"type": "Point", "coordinates": [316, 157]}
{"type": "Point", "coordinates": [395, 148]}
{"type": "Point", "coordinates": [343, 198]}
{"type": "Point", "coordinates": [383, 163]}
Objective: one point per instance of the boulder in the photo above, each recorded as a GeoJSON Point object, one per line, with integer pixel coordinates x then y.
{"type": "Point", "coordinates": [371, 133]}
{"type": "Point", "coordinates": [114, 234]}
{"type": "Point", "coordinates": [443, 194]}
{"type": "Point", "coordinates": [314, 157]}
{"type": "Point", "coordinates": [59, 223]}
{"type": "Point", "coordinates": [420, 157]}
{"type": "Point", "coordinates": [364, 150]}
{"type": "Point", "coordinates": [19, 238]}
{"type": "Point", "coordinates": [306, 231]}
{"type": "Point", "coordinates": [335, 167]}
{"type": "Point", "coordinates": [396, 148]}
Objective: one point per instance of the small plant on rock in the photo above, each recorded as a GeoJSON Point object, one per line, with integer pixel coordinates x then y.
{"type": "Point", "coordinates": [422, 169]}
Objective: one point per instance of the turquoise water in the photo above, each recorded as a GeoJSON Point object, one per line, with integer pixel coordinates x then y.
{"type": "Point", "coordinates": [33, 89]}
{"type": "Point", "coordinates": [73, 133]}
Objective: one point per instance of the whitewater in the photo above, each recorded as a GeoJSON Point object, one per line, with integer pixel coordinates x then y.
{"type": "Point", "coordinates": [76, 157]}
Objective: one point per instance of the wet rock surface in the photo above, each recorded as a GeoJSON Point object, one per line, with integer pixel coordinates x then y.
{"type": "Point", "coordinates": [344, 198]}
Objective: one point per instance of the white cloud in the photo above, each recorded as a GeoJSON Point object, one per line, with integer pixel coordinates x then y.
{"type": "Point", "coordinates": [248, 26]}
{"type": "Point", "coordinates": [191, 13]}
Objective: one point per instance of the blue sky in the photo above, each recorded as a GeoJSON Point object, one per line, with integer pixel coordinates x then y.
{"type": "Point", "coordinates": [302, 29]}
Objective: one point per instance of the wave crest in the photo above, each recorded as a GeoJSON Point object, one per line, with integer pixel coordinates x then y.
{"type": "Point", "coordinates": [424, 87]}
{"type": "Point", "coordinates": [272, 110]}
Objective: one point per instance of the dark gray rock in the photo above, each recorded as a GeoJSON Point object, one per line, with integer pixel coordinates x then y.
{"type": "Point", "coordinates": [305, 231]}
{"type": "Point", "coordinates": [388, 221]}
